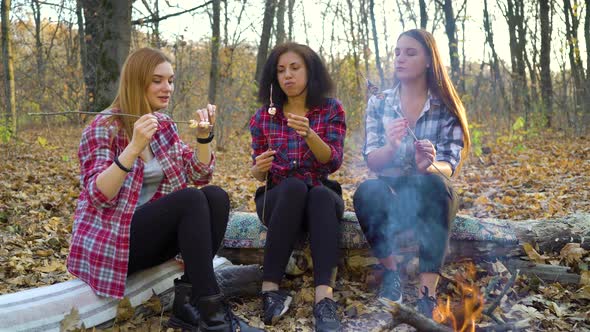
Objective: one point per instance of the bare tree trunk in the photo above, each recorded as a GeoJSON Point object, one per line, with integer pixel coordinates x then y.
{"type": "Point", "coordinates": [521, 60]}
{"type": "Point", "coordinates": [36, 8]}
{"type": "Point", "coordinates": [290, 14]}
{"type": "Point", "coordinates": [215, 38]}
{"type": "Point", "coordinates": [462, 87]}
{"type": "Point", "coordinates": [401, 15]}
{"type": "Point", "coordinates": [498, 82]}
{"type": "Point", "coordinates": [354, 43]}
{"type": "Point", "coordinates": [107, 38]}
{"type": "Point", "coordinates": [451, 31]}
{"type": "Point", "coordinates": [587, 38]}
{"type": "Point", "coordinates": [364, 32]}
{"type": "Point", "coordinates": [513, 11]}
{"type": "Point", "coordinates": [155, 15]}
{"type": "Point", "coordinates": [376, 42]}
{"type": "Point", "coordinates": [8, 62]}
{"type": "Point", "coordinates": [269, 14]}
{"type": "Point", "coordinates": [532, 66]}
{"type": "Point", "coordinates": [572, 23]}
{"type": "Point", "coordinates": [423, 14]}
{"type": "Point", "coordinates": [545, 16]}
{"type": "Point", "coordinates": [81, 40]}
{"type": "Point", "coordinates": [388, 52]}
{"type": "Point", "coordinates": [281, 22]}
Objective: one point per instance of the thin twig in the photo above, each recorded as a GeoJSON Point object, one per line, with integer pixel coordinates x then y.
{"type": "Point", "coordinates": [502, 327]}
{"type": "Point", "coordinates": [264, 198]}
{"type": "Point", "coordinates": [489, 311]}
{"type": "Point", "coordinates": [104, 114]}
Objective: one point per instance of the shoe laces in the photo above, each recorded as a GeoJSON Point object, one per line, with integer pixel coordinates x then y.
{"type": "Point", "coordinates": [327, 309]}
{"type": "Point", "coordinates": [392, 281]}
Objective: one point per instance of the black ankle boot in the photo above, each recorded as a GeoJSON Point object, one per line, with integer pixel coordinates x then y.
{"type": "Point", "coordinates": [216, 315]}
{"type": "Point", "coordinates": [185, 315]}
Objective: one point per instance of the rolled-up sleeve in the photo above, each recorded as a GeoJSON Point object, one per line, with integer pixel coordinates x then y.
{"type": "Point", "coordinates": [373, 126]}
{"type": "Point", "coordinates": [450, 142]}
{"type": "Point", "coordinates": [334, 138]}
{"type": "Point", "coordinates": [95, 155]}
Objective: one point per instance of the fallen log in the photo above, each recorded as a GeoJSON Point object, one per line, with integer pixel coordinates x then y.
{"type": "Point", "coordinates": [473, 238]}
{"type": "Point", "coordinates": [545, 272]}
{"type": "Point", "coordinates": [548, 235]}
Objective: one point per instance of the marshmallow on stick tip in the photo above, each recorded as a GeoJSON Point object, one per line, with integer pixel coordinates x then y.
{"type": "Point", "coordinates": [200, 124]}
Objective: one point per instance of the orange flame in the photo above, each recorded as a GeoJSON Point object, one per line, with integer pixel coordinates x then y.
{"type": "Point", "coordinates": [461, 317]}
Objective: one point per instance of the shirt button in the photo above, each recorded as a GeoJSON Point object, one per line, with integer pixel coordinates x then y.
{"type": "Point", "coordinates": [294, 163]}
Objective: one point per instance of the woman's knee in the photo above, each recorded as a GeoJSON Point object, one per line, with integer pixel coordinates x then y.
{"type": "Point", "coordinates": [191, 197]}
{"type": "Point", "coordinates": [216, 194]}
{"type": "Point", "coordinates": [369, 190]}
{"type": "Point", "coordinates": [320, 194]}
{"type": "Point", "coordinates": [432, 184]}
{"type": "Point", "coordinates": [293, 188]}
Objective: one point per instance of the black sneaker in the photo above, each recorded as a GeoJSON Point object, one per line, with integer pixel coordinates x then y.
{"type": "Point", "coordinates": [325, 314]}
{"type": "Point", "coordinates": [391, 288]}
{"type": "Point", "coordinates": [426, 304]}
{"type": "Point", "coordinates": [274, 304]}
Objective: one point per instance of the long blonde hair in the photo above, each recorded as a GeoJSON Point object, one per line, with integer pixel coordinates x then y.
{"type": "Point", "coordinates": [136, 77]}
{"type": "Point", "coordinates": [441, 85]}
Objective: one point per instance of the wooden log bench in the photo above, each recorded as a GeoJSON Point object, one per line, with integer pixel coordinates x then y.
{"type": "Point", "coordinates": [43, 308]}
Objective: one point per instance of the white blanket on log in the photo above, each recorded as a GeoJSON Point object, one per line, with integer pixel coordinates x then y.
{"type": "Point", "coordinates": [43, 308]}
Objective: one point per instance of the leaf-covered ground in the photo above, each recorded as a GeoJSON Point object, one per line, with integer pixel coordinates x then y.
{"type": "Point", "coordinates": [516, 178]}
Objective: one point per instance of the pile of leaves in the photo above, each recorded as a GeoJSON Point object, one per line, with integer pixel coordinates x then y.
{"type": "Point", "coordinates": [537, 177]}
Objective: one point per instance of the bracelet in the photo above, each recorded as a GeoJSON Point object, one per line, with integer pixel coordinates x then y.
{"type": "Point", "coordinates": [123, 168]}
{"type": "Point", "coordinates": [206, 140]}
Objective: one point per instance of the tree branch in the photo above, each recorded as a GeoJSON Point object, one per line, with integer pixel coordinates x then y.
{"type": "Point", "coordinates": [151, 19]}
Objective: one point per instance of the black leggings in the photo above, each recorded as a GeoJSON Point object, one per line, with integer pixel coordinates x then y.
{"type": "Point", "coordinates": [292, 207]}
{"type": "Point", "coordinates": [425, 203]}
{"type": "Point", "coordinates": [190, 221]}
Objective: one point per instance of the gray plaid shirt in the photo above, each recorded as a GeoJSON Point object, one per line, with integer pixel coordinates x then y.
{"type": "Point", "coordinates": [435, 124]}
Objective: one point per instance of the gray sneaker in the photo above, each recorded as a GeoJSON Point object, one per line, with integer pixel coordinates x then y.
{"type": "Point", "coordinates": [391, 288]}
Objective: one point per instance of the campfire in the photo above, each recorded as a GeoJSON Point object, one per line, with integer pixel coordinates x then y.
{"type": "Point", "coordinates": [448, 316]}
{"type": "Point", "coordinates": [463, 316]}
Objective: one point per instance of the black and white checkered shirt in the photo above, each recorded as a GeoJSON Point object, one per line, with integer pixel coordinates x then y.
{"type": "Point", "coordinates": [435, 124]}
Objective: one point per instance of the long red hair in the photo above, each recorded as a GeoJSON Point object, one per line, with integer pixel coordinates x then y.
{"type": "Point", "coordinates": [440, 84]}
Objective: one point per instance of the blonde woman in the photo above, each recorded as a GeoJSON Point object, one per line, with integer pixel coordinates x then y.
{"type": "Point", "coordinates": [412, 190]}
{"type": "Point", "coordinates": [136, 210]}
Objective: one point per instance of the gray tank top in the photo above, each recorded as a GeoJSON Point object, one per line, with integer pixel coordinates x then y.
{"type": "Point", "coordinates": [152, 176]}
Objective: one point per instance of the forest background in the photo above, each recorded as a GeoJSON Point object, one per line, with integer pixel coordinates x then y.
{"type": "Point", "coordinates": [524, 79]}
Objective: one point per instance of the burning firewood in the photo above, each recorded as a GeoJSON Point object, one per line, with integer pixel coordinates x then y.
{"type": "Point", "coordinates": [404, 314]}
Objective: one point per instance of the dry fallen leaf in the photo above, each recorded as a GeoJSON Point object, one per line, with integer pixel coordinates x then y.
{"type": "Point", "coordinates": [572, 253]}
{"type": "Point", "coordinates": [533, 254]}
{"type": "Point", "coordinates": [71, 321]}
{"type": "Point", "coordinates": [124, 310]}
{"type": "Point", "coordinates": [154, 303]}
{"type": "Point", "coordinates": [583, 293]}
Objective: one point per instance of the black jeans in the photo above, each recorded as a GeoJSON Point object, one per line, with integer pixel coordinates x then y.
{"type": "Point", "coordinates": [425, 203]}
{"type": "Point", "coordinates": [190, 221]}
{"type": "Point", "coordinates": [291, 208]}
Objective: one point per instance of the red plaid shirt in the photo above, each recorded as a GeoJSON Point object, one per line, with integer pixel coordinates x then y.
{"type": "Point", "coordinates": [293, 157]}
{"type": "Point", "coordinates": [99, 249]}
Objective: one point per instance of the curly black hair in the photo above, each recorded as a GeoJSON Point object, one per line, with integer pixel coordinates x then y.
{"type": "Point", "coordinates": [319, 84]}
